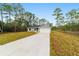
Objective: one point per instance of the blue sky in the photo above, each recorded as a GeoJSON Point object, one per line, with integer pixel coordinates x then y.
{"type": "Point", "coordinates": [45, 10]}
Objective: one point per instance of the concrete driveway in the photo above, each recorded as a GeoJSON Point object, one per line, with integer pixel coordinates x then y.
{"type": "Point", "coordinates": [35, 45]}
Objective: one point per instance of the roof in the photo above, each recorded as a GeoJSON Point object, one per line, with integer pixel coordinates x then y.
{"type": "Point", "coordinates": [45, 26]}
{"type": "Point", "coordinates": [34, 26]}
{"type": "Point", "coordinates": [41, 26]}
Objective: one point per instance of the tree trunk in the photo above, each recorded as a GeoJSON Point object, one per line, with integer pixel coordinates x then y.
{"type": "Point", "coordinates": [15, 24]}
{"type": "Point", "coordinates": [2, 21]}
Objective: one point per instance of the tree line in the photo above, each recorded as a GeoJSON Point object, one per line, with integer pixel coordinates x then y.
{"type": "Point", "coordinates": [13, 18]}
{"type": "Point", "coordinates": [66, 21]}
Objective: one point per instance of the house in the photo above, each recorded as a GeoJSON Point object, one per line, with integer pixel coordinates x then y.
{"type": "Point", "coordinates": [34, 28]}
{"type": "Point", "coordinates": [39, 28]}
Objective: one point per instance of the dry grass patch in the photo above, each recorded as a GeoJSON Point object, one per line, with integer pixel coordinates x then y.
{"type": "Point", "coordinates": [9, 37]}
{"type": "Point", "coordinates": [64, 44]}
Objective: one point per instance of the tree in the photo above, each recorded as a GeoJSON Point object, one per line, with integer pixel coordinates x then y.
{"type": "Point", "coordinates": [42, 21]}
{"type": "Point", "coordinates": [8, 9]}
{"type": "Point", "coordinates": [29, 17]}
{"type": "Point", "coordinates": [1, 13]}
{"type": "Point", "coordinates": [18, 12]}
{"type": "Point", "coordinates": [72, 15]}
{"type": "Point", "coordinates": [58, 16]}
{"type": "Point", "coordinates": [36, 21]}
{"type": "Point", "coordinates": [15, 10]}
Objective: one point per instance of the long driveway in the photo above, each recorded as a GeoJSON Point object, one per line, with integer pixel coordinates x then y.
{"type": "Point", "coordinates": [35, 45]}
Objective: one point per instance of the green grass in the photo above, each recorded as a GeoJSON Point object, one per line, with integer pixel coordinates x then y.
{"type": "Point", "coordinates": [64, 44]}
{"type": "Point", "coordinates": [9, 37]}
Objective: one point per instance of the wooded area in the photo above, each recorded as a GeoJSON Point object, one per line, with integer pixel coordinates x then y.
{"type": "Point", "coordinates": [66, 21]}
{"type": "Point", "coordinates": [14, 18]}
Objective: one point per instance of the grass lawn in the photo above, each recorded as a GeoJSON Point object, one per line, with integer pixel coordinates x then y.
{"type": "Point", "coordinates": [64, 44]}
{"type": "Point", "coordinates": [9, 37]}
